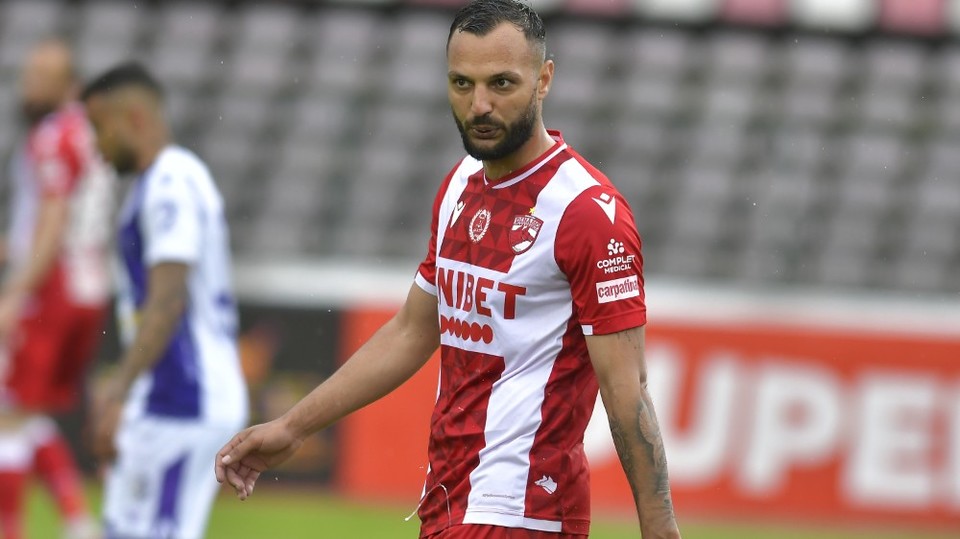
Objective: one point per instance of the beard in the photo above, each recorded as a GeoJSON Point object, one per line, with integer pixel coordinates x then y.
{"type": "Point", "coordinates": [515, 135]}
{"type": "Point", "coordinates": [33, 112]}
{"type": "Point", "coordinates": [124, 161]}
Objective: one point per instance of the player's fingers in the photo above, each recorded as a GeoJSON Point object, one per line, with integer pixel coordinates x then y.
{"type": "Point", "coordinates": [235, 480]}
{"type": "Point", "coordinates": [250, 477]}
{"type": "Point", "coordinates": [241, 445]}
{"type": "Point", "coordinates": [219, 467]}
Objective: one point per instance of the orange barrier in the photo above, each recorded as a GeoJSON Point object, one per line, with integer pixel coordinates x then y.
{"type": "Point", "coordinates": [792, 422]}
{"type": "Point", "coordinates": [383, 447]}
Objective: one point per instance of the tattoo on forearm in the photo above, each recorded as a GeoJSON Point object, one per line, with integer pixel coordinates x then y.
{"type": "Point", "coordinates": [645, 434]}
{"type": "Point", "coordinates": [623, 449]}
{"type": "Point", "coordinates": [653, 443]}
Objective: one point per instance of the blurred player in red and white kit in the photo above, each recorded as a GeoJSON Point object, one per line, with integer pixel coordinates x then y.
{"type": "Point", "coordinates": [56, 291]}
{"type": "Point", "coordinates": [533, 290]}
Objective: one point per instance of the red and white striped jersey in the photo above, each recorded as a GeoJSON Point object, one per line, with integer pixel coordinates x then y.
{"type": "Point", "coordinates": [58, 159]}
{"type": "Point", "coordinates": [523, 269]}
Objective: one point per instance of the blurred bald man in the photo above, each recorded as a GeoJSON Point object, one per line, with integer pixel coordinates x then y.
{"type": "Point", "coordinates": [56, 289]}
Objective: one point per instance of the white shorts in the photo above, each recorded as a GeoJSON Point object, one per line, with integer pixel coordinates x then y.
{"type": "Point", "coordinates": [162, 484]}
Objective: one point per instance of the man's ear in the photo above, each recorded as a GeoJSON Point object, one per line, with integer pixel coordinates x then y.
{"type": "Point", "coordinates": [545, 79]}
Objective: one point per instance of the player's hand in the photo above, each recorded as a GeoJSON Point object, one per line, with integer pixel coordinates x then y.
{"type": "Point", "coordinates": [252, 451]}
{"type": "Point", "coordinates": [105, 420]}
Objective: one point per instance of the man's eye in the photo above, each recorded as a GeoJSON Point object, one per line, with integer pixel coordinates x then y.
{"type": "Point", "coordinates": [461, 83]}
{"type": "Point", "coordinates": [502, 83]}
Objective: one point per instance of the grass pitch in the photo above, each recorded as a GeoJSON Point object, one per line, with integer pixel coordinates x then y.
{"type": "Point", "coordinates": [296, 514]}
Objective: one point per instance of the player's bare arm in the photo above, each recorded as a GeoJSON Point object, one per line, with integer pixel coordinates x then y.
{"type": "Point", "coordinates": [48, 235]}
{"type": "Point", "coordinates": [388, 359]}
{"type": "Point", "coordinates": [165, 303]}
{"type": "Point", "coordinates": [618, 360]}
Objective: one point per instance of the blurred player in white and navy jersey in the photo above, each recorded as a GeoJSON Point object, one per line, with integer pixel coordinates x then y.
{"type": "Point", "coordinates": [56, 290]}
{"type": "Point", "coordinates": [179, 378]}
{"type": "Point", "coordinates": [533, 290]}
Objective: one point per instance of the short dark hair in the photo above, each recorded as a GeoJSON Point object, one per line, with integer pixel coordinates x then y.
{"type": "Point", "coordinates": [480, 17]}
{"type": "Point", "coordinates": [125, 75]}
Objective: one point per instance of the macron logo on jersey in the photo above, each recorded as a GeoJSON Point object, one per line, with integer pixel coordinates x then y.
{"type": "Point", "coordinates": [618, 289]}
{"type": "Point", "coordinates": [609, 206]}
{"type": "Point", "coordinates": [456, 213]}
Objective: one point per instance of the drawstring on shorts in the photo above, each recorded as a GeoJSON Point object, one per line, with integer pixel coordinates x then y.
{"type": "Point", "coordinates": [423, 498]}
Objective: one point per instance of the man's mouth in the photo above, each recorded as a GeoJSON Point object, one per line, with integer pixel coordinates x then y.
{"type": "Point", "coordinates": [484, 131]}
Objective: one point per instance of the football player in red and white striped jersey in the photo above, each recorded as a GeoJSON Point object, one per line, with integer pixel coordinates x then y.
{"type": "Point", "coordinates": [532, 288]}
{"type": "Point", "coordinates": [55, 293]}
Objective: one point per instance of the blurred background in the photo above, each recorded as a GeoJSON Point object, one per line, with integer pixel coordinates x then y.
{"type": "Point", "coordinates": [793, 167]}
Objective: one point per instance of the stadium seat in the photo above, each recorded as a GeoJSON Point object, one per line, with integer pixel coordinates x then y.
{"type": "Point", "coordinates": [760, 266]}
{"type": "Point", "coordinates": [683, 10]}
{"type": "Point", "coordinates": [941, 160]}
{"type": "Point", "coordinates": [817, 60]}
{"type": "Point", "coordinates": [797, 150]}
{"type": "Point", "coordinates": [945, 111]}
{"type": "Point", "coordinates": [882, 106]}
{"type": "Point", "coordinates": [717, 142]}
{"type": "Point", "coordinates": [830, 14]}
{"type": "Point", "coordinates": [639, 137]}
{"type": "Point", "coordinates": [232, 113]}
{"type": "Point", "coordinates": [852, 228]}
{"type": "Point", "coordinates": [762, 12]}
{"type": "Point", "coordinates": [918, 271]}
{"type": "Point", "coordinates": [342, 43]}
{"type": "Point", "coordinates": [932, 235]}
{"type": "Point", "coordinates": [652, 51]}
{"type": "Point", "coordinates": [894, 63]}
{"type": "Point", "coordinates": [881, 155]}
{"type": "Point", "coordinates": [273, 235]}
{"type": "Point", "coordinates": [843, 268]}
{"type": "Point", "coordinates": [739, 56]}
{"type": "Point", "coordinates": [652, 95]}
{"type": "Point", "coordinates": [729, 101]}
{"type": "Point", "coordinates": [939, 195]}
{"type": "Point", "coordinates": [915, 16]}
{"type": "Point", "coordinates": [805, 104]}
{"type": "Point", "coordinates": [571, 42]}
{"type": "Point", "coordinates": [315, 119]}
{"type": "Point", "coordinates": [267, 25]}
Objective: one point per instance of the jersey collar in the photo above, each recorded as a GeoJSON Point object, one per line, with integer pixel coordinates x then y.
{"type": "Point", "coordinates": [525, 172]}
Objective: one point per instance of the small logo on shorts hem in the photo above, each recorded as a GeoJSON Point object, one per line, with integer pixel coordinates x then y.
{"type": "Point", "coordinates": [547, 483]}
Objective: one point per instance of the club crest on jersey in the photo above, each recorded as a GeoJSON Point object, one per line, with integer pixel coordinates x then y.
{"type": "Point", "coordinates": [479, 225]}
{"type": "Point", "coordinates": [524, 232]}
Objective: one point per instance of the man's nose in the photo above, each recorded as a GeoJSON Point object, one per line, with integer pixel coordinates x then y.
{"type": "Point", "coordinates": [482, 103]}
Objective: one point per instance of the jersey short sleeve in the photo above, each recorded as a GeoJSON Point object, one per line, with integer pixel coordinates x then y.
{"type": "Point", "coordinates": [426, 277]}
{"type": "Point", "coordinates": [58, 159]}
{"type": "Point", "coordinates": [598, 249]}
{"type": "Point", "coordinates": [171, 220]}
